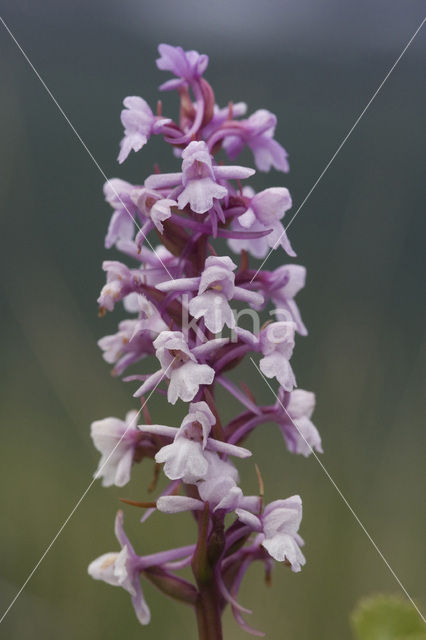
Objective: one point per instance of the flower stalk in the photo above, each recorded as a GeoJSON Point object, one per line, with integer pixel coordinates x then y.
{"type": "Point", "coordinates": [203, 567]}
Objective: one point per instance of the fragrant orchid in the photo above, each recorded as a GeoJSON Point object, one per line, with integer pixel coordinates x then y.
{"type": "Point", "coordinates": [179, 363]}
{"type": "Point", "coordinates": [188, 66]}
{"type": "Point", "coordinates": [117, 440]}
{"type": "Point", "coordinates": [198, 185]}
{"type": "Point", "coordinates": [187, 457]}
{"type": "Point", "coordinates": [215, 288]}
{"type": "Point", "coordinates": [181, 296]}
{"type": "Point", "coordinates": [278, 526]}
{"type": "Point", "coordinates": [293, 415]}
{"type": "Point", "coordinates": [139, 124]}
{"type": "Point", "coordinates": [257, 132]}
{"type": "Point", "coordinates": [122, 569]}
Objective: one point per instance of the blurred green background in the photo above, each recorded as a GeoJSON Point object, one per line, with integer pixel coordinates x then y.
{"type": "Point", "coordinates": [361, 236]}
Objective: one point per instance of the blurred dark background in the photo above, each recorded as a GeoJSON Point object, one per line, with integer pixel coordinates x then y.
{"type": "Point", "coordinates": [361, 236]}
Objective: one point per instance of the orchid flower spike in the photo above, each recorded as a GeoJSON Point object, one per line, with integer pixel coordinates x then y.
{"type": "Point", "coordinates": [181, 291]}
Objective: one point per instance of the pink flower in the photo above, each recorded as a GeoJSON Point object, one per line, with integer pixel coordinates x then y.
{"type": "Point", "coordinates": [121, 569]}
{"type": "Point", "coordinates": [117, 441]}
{"type": "Point", "coordinates": [218, 488]}
{"type": "Point", "coordinates": [216, 288]}
{"type": "Point", "coordinates": [199, 183]}
{"type": "Point", "coordinates": [188, 66]}
{"type": "Point", "coordinates": [179, 364]}
{"type": "Point", "coordinates": [120, 282]}
{"type": "Point", "coordinates": [186, 458]}
{"type": "Point", "coordinates": [121, 227]}
{"type": "Point", "coordinates": [258, 133]}
{"type": "Point", "coordinates": [300, 434]}
{"type": "Point", "coordinates": [265, 210]}
{"type": "Point", "coordinates": [278, 526]}
{"type": "Point", "coordinates": [134, 338]}
{"type": "Point", "coordinates": [284, 284]}
{"type": "Point", "coordinates": [153, 206]}
{"type": "Point", "coordinates": [277, 344]}
{"type": "Point", "coordinates": [198, 179]}
{"type": "Point", "coordinates": [139, 124]}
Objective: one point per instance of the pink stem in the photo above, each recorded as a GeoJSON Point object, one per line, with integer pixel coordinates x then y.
{"type": "Point", "coordinates": [245, 429]}
{"type": "Point", "coordinates": [239, 351]}
{"type": "Point", "coordinates": [221, 233]}
{"type": "Point", "coordinates": [239, 395]}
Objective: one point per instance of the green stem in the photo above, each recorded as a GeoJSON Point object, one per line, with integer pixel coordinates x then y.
{"type": "Point", "coordinates": [205, 557]}
{"type": "Point", "coordinates": [208, 614]}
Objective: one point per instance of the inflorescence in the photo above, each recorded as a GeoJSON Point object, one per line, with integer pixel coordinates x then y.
{"type": "Point", "coordinates": [179, 296]}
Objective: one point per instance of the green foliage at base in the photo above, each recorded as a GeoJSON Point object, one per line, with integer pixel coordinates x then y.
{"type": "Point", "coordinates": [387, 618]}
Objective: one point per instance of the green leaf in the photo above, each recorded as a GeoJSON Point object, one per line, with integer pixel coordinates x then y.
{"type": "Point", "coordinates": [387, 618]}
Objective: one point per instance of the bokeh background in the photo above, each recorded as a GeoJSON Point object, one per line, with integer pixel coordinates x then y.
{"type": "Point", "coordinates": [361, 235]}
